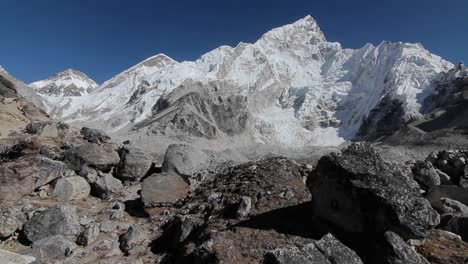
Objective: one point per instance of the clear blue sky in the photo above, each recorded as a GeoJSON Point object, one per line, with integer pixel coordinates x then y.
{"type": "Point", "coordinates": [105, 37]}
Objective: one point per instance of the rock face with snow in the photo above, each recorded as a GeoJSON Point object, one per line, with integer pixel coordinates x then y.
{"type": "Point", "coordinates": [67, 83]}
{"type": "Point", "coordinates": [291, 86]}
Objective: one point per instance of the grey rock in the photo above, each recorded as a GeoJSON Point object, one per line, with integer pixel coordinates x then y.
{"type": "Point", "coordinates": [452, 192]}
{"type": "Point", "coordinates": [360, 192]}
{"type": "Point", "coordinates": [101, 157]}
{"type": "Point", "coordinates": [336, 252]}
{"type": "Point", "coordinates": [52, 248]}
{"type": "Point", "coordinates": [399, 252]}
{"type": "Point", "coordinates": [444, 178]}
{"type": "Point", "coordinates": [72, 188]}
{"type": "Point", "coordinates": [14, 258]}
{"type": "Point", "coordinates": [163, 189]}
{"type": "Point", "coordinates": [43, 128]}
{"type": "Point", "coordinates": [94, 135]}
{"type": "Point", "coordinates": [10, 221]}
{"type": "Point", "coordinates": [134, 164]}
{"type": "Point", "coordinates": [184, 160]}
{"type": "Point", "coordinates": [180, 227]}
{"type": "Point", "coordinates": [59, 220]}
{"type": "Point", "coordinates": [295, 255]}
{"type": "Point", "coordinates": [117, 210]}
{"type": "Point", "coordinates": [90, 174]}
{"type": "Point", "coordinates": [453, 207]}
{"type": "Point", "coordinates": [106, 186]}
{"type": "Point", "coordinates": [425, 174]}
{"type": "Point", "coordinates": [133, 238]}
{"type": "Point", "coordinates": [245, 205]}
{"type": "Point", "coordinates": [48, 170]}
{"type": "Point", "coordinates": [89, 235]}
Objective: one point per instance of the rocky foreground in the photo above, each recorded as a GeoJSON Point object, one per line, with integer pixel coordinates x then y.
{"type": "Point", "coordinates": [75, 196]}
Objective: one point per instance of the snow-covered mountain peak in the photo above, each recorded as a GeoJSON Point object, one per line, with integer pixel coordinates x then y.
{"type": "Point", "coordinates": [159, 60]}
{"type": "Point", "coordinates": [302, 32]}
{"type": "Point", "coordinates": [70, 82]}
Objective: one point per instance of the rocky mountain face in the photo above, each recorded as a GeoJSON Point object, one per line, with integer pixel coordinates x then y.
{"type": "Point", "coordinates": [67, 83]}
{"type": "Point", "coordinates": [296, 87]}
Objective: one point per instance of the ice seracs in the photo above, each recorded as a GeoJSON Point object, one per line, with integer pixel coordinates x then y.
{"type": "Point", "coordinates": [320, 93]}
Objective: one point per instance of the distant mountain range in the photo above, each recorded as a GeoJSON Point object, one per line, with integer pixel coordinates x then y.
{"type": "Point", "coordinates": [290, 87]}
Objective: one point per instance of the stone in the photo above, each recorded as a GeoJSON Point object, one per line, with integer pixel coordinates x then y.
{"type": "Point", "coordinates": [453, 207]}
{"type": "Point", "coordinates": [245, 205]}
{"type": "Point", "coordinates": [295, 255]}
{"type": "Point", "coordinates": [106, 186]}
{"type": "Point", "coordinates": [452, 192]}
{"type": "Point", "coordinates": [72, 188]}
{"type": "Point", "coordinates": [89, 235]}
{"type": "Point", "coordinates": [10, 221]}
{"type": "Point", "coordinates": [360, 192]}
{"type": "Point", "coordinates": [399, 252]}
{"type": "Point", "coordinates": [58, 220]}
{"type": "Point", "coordinates": [184, 160]}
{"type": "Point", "coordinates": [163, 189]}
{"type": "Point", "coordinates": [47, 170]}
{"type": "Point", "coordinates": [444, 178]}
{"type": "Point", "coordinates": [101, 157]}
{"type": "Point", "coordinates": [328, 250]}
{"type": "Point", "coordinates": [94, 135]}
{"type": "Point", "coordinates": [336, 252]}
{"type": "Point", "coordinates": [134, 164]}
{"type": "Point", "coordinates": [52, 248]}
{"type": "Point", "coordinates": [14, 258]}
{"type": "Point", "coordinates": [117, 210]}
{"type": "Point", "coordinates": [425, 174]}
{"type": "Point", "coordinates": [90, 174]}
{"type": "Point", "coordinates": [133, 238]}
{"type": "Point", "coordinates": [43, 128]}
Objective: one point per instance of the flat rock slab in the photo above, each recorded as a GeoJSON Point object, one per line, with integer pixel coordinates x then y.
{"type": "Point", "coordinates": [72, 188]}
{"type": "Point", "coordinates": [163, 189]}
{"type": "Point", "coordinates": [13, 258]}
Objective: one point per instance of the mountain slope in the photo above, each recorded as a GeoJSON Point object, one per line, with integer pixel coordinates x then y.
{"type": "Point", "coordinates": [67, 83]}
{"type": "Point", "coordinates": [298, 88]}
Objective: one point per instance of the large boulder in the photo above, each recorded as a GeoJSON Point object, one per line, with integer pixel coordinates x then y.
{"type": "Point", "coordinates": [59, 220]}
{"type": "Point", "coordinates": [184, 160]}
{"type": "Point", "coordinates": [51, 249]}
{"type": "Point", "coordinates": [357, 190]}
{"type": "Point", "coordinates": [106, 186]}
{"type": "Point", "coordinates": [72, 188]}
{"type": "Point", "coordinates": [47, 170]}
{"type": "Point", "coordinates": [10, 221]}
{"type": "Point", "coordinates": [43, 128]}
{"type": "Point", "coordinates": [327, 250]}
{"type": "Point", "coordinates": [436, 193]}
{"type": "Point", "coordinates": [399, 252]}
{"type": "Point", "coordinates": [162, 189]}
{"type": "Point", "coordinates": [101, 157]}
{"type": "Point", "coordinates": [425, 174]}
{"type": "Point", "coordinates": [134, 164]}
{"type": "Point", "coordinates": [94, 135]}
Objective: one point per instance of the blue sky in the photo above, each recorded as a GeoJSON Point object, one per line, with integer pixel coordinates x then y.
{"type": "Point", "coordinates": [105, 37]}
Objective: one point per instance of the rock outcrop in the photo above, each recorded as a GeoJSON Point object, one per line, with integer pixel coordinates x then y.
{"type": "Point", "coordinates": [360, 192]}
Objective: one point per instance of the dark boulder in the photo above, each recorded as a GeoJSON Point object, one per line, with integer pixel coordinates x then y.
{"type": "Point", "coordinates": [134, 164]}
{"type": "Point", "coordinates": [59, 220]}
{"type": "Point", "coordinates": [95, 156]}
{"type": "Point", "coordinates": [357, 190]}
{"type": "Point", "coordinates": [399, 252]}
{"type": "Point", "coordinates": [94, 135]}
